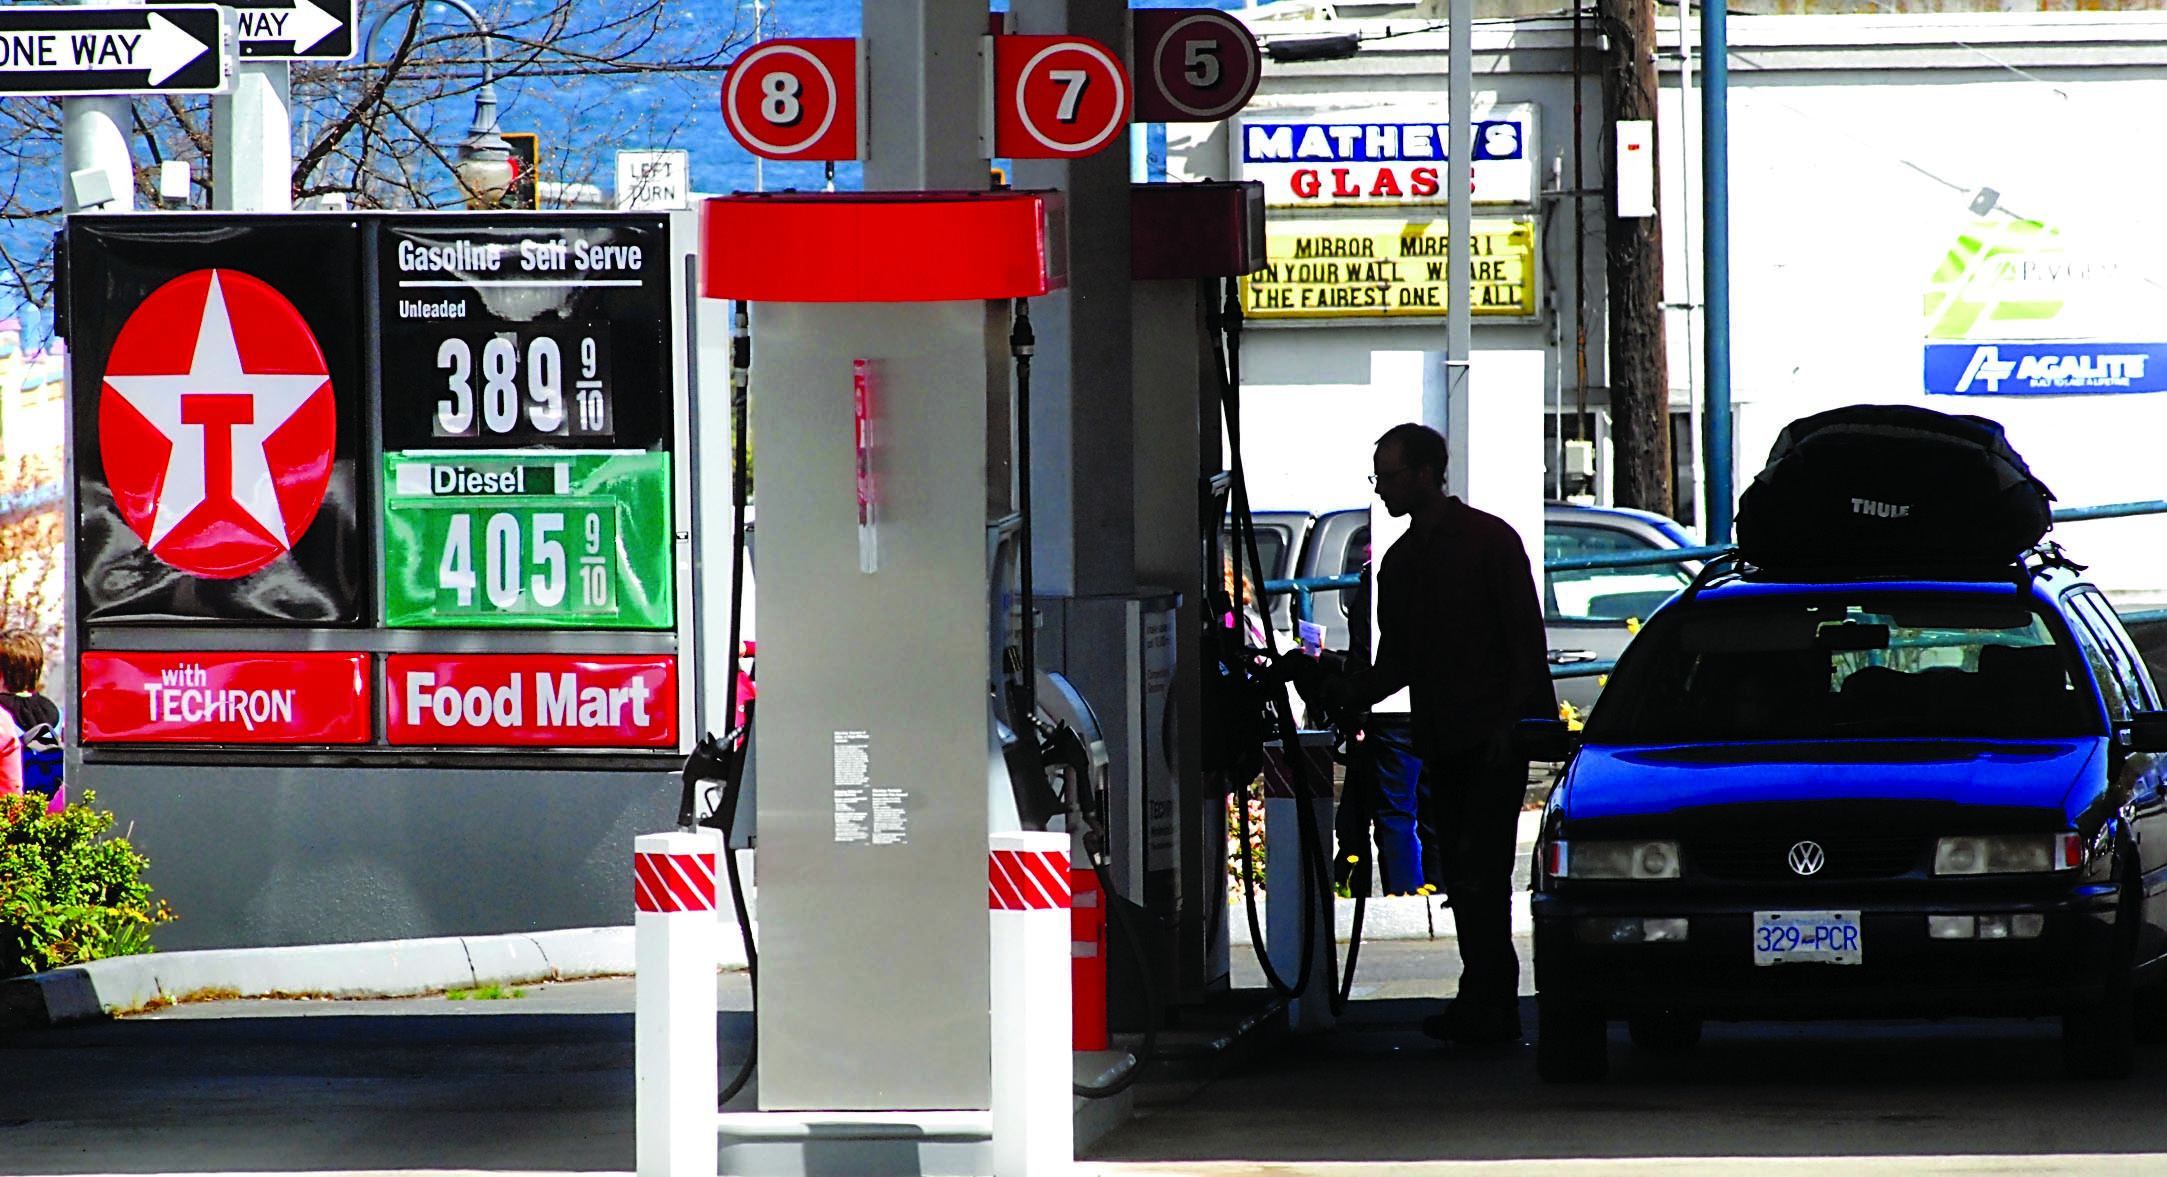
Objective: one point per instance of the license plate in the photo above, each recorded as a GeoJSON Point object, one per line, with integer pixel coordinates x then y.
{"type": "Point", "coordinates": [1794, 937]}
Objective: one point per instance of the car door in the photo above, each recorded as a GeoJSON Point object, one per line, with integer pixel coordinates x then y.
{"type": "Point", "coordinates": [2148, 806]}
{"type": "Point", "coordinates": [1590, 614]}
{"type": "Point", "coordinates": [1338, 544]}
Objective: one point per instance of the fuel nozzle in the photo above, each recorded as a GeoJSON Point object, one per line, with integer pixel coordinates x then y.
{"type": "Point", "coordinates": [1067, 755]}
{"type": "Point", "coordinates": [1022, 342]}
{"type": "Point", "coordinates": [710, 761]}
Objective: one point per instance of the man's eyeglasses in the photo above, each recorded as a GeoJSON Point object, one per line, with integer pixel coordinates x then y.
{"type": "Point", "coordinates": [1386, 475]}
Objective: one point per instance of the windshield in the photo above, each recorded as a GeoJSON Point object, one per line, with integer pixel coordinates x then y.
{"type": "Point", "coordinates": [1603, 594]}
{"type": "Point", "coordinates": [1839, 667]}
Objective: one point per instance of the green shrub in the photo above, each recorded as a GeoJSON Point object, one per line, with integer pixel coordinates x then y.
{"type": "Point", "coordinates": [67, 893]}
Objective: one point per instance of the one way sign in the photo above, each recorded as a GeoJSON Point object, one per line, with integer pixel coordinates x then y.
{"type": "Point", "coordinates": [293, 30]}
{"type": "Point", "coordinates": [85, 50]}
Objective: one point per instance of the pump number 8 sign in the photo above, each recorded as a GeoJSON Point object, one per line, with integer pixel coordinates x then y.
{"type": "Point", "coordinates": [527, 538]}
{"type": "Point", "coordinates": [1056, 97]}
{"type": "Point", "coordinates": [797, 98]}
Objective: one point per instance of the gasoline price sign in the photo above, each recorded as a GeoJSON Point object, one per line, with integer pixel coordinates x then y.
{"type": "Point", "coordinates": [530, 384]}
{"type": "Point", "coordinates": [534, 330]}
{"type": "Point", "coordinates": [527, 538]}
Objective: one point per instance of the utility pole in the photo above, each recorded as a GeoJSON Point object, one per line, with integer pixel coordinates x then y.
{"type": "Point", "coordinates": [1638, 370]}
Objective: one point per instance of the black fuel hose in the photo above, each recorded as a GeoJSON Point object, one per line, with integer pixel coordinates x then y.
{"type": "Point", "coordinates": [1314, 870]}
{"type": "Point", "coordinates": [738, 741]}
{"type": "Point", "coordinates": [1022, 345]}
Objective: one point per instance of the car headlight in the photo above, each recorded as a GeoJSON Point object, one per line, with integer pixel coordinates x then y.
{"type": "Point", "coordinates": [1613, 860]}
{"type": "Point", "coordinates": [2008, 854]}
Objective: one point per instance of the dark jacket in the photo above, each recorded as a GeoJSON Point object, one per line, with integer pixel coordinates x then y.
{"type": "Point", "coordinates": [1461, 627]}
{"type": "Point", "coordinates": [30, 710]}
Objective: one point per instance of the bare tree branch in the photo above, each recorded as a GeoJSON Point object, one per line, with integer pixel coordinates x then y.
{"type": "Point", "coordinates": [591, 75]}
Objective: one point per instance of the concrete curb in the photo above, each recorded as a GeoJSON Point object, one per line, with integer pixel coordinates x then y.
{"type": "Point", "coordinates": [383, 968]}
{"type": "Point", "coordinates": [1397, 917]}
{"type": "Point", "coordinates": [1402, 917]}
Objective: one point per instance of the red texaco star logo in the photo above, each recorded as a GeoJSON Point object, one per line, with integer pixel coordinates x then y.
{"type": "Point", "coordinates": [216, 423]}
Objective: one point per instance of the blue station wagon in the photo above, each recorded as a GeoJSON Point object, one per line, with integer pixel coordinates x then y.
{"type": "Point", "coordinates": [1861, 798]}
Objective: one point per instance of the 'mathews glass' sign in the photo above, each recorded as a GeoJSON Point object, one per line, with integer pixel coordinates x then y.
{"type": "Point", "coordinates": [1388, 157]}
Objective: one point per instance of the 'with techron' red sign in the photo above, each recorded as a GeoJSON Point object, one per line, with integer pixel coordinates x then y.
{"type": "Point", "coordinates": [532, 700]}
{"type": "Point", "coordinates": [208, 698]}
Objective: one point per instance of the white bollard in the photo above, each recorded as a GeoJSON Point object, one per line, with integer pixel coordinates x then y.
{"type": "Point", "coordinates": [1288, 883]}
{"type": "Point", "coordinates": [674, 951]}
{"type": "Point", "coordinates": [1034, 1118]}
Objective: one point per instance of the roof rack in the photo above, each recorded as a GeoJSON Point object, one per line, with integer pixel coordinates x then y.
{"type": "Point", "coordinates": [1709, 571]}
{"type": "Point", "coordinates": [2016, 570]}
{"type": "Point", "coordinates": [2050, 555]}
{"type": "Point", "coordinates": [2021, 570]}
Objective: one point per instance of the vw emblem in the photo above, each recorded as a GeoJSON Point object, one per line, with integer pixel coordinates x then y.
{"type": "Point", "coordinates": [1806, 858]}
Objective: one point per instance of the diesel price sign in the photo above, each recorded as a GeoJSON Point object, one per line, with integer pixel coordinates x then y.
{"type": "Point", "coordinates": [527, 537]}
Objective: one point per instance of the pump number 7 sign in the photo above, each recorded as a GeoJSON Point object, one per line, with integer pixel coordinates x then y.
{"type": "Point", "coordinates": [1056, 97]}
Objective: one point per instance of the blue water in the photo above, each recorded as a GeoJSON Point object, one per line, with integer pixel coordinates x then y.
{"type": "Point", "coordinates": [638, 113]}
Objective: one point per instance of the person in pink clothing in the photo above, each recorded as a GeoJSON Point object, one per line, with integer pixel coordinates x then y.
{"type": "Point", "coordinates": [11, 756]}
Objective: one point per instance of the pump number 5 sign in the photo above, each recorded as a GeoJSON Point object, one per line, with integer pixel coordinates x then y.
{"type": "Point", "coordinates": [797, 98]}
{"type": "Point", "coordinates": [1056, 97]}
{"type": "Point", "coordinates": [1193, 65]}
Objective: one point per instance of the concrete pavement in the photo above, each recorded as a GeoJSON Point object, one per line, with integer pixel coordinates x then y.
{"type": "Point", "coordinates": [543, 1083]}
{"type": "Point", "coordinates": [390, 968]}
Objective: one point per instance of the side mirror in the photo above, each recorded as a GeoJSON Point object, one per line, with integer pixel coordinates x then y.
{"type": "Point", "coordinates": [2147, 732]}
{"type": "Point", "coordinates": [1551, 742]}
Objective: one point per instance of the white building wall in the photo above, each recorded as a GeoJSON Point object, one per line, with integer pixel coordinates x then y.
{"type": "Point", "coordinates": [1849, 187]}
{"type": "Point", "coordinates": [1858, 146]}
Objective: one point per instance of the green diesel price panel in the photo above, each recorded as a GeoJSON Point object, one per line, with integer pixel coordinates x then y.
{"type": "Point", "coordinates": [540, 538]}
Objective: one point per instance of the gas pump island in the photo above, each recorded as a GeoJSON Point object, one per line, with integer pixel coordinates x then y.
{"type": "Point", "coordinates": [381, 559]}
{"type": "Point", "coordinates": [890, 373]}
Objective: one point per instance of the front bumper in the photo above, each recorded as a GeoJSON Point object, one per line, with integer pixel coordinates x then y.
{"type": "Point", "coordinates": [1902, 973]}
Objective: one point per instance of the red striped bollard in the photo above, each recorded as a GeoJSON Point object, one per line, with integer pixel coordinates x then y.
{"type": "Point", "coordinates": [1034, 1121]}
{"type": "Point", "coordinates": [673, 1027]}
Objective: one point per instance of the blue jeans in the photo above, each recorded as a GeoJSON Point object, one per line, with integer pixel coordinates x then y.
{"type": "Point", "coordinates": [1388, 753]}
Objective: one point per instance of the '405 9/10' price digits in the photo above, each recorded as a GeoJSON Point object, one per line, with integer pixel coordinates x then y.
{"type": "Point", "coordinates": [504, 578]}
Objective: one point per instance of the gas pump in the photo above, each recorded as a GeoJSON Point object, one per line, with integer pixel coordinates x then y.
{"type": "Point", "coordinates": [895, 744]}
{"type": "Point", "coordinates": [879, 391]}
{"type": "Point", "coordinates": [1255, 697]}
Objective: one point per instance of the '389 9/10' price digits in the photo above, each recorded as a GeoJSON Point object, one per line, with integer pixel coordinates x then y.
{"type": "Point", "coordinates": [526, 384]}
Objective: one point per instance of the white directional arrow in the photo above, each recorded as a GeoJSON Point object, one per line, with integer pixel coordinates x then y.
{"type": "Point", "coordinates": [167, 49]}
{"type": "Point", "coordinates": [310, 24]}
{"type": "Point", "coordinates": [159, 46]}
{"type": "Point", "coordinates": [98, 49]}
{"type": "Point", "coordinates": [304, 25]}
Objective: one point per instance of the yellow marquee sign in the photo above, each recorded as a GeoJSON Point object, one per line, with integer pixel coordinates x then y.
{"type": "Point", "coordinates": [1376, 268]}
